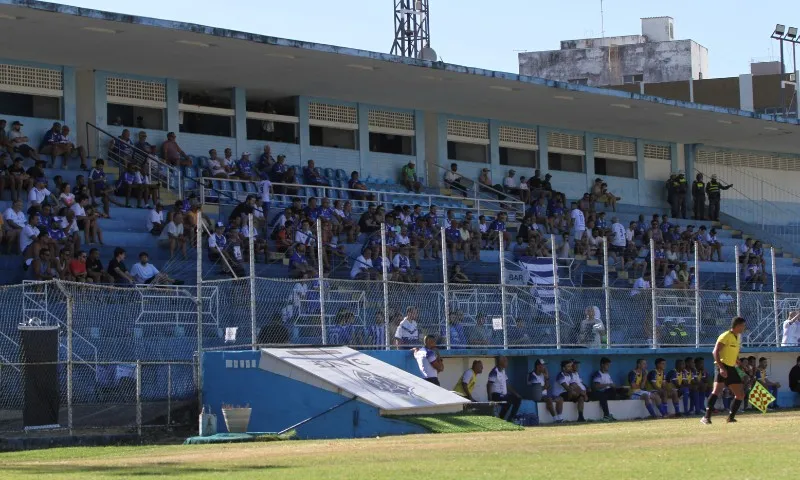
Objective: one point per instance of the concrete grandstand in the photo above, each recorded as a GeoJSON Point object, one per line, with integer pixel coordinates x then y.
{"type": "Point", "coordinates": [116, 77]}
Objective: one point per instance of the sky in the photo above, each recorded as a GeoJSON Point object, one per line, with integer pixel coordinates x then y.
{"type": "Point", "coordinates": [490, 34]}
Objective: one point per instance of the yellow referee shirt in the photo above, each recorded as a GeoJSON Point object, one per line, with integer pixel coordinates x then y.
{"type": "Point", "coordinates": [729, 353]}
{"type": "Point", "coordinates": [469, 378]}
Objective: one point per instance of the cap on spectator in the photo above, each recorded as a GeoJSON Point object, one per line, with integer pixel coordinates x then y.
{"type": "Point", "coordinates": [512, 171]}
{"type": "Point", "coordinates": [220, 225]}
{"type": "Point", "coordinates": [598, 180]}
{"type": "Point", "coordinates": [680, 172]}
{"type": "Point", "coordinates": [714, 176]}
{"type": "Point", "coordinates": [246, 154]}
{"type": "Point", "coordinates": [548, 176]}
{"type": "Point", "coordinates": [56, 124]}
{"type": "Point", "coordinates": [540, 361]}
{"type": "Point", "coordinates": [16, 122]}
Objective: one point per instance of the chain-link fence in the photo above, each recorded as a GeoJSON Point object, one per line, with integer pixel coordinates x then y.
{"type": "Point", "coordinates": [127, 358]}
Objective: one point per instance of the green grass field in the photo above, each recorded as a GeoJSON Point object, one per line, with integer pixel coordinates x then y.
{"type": "Point", "coordinates": [758, 447]}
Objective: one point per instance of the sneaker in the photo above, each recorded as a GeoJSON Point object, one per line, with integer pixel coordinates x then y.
{"type": "Point", "coordinates": [581, 420]}
{"type": "Point", "coordinates": [559, 420]}
{"type": "Point", "coordinates": [608, 418]}
{"type": "Point", "coordinates": [612, 417]}
{"type": "Point", "coordinates": [705, 421]}
{"type": "Point", "coordinates": [730, 420]}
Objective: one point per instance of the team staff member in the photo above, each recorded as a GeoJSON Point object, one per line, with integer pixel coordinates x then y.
{"type": "Point", "coordinates": [699, 197]}
{"type": "Point", "coordinates": [466, 384]}
{"type": "Point", "coordinates": [428, 359]}
{"type": "Point", "coordinates": [713, 190]}
{"type": "Point", "coordinates": [726, 355]}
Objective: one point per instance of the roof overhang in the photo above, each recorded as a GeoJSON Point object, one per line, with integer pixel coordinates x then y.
{"type": "Point", "coordinates": [83, 38]}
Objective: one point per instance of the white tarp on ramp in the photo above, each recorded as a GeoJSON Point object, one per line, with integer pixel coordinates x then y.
{"type": "Point", "coordinates": [351, 373]}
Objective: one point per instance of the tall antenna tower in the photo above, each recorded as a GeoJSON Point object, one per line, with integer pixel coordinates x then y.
{"type": "Point", "coordinates": [412, 34]}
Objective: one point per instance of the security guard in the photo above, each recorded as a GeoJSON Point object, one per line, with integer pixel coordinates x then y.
{"type": "Point", "coordinates": [679, 189]}
{"type": "Point", "coordinates": [699, 198]}
{"type": "Point", "coordinates": [670, 189]}
{"type": "Point", "coordinates": [713, 190]}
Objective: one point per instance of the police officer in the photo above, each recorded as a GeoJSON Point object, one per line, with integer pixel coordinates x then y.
{"type": "Point", "coordinates": [699, 198]}
{"type": "Point", "coordinates": [713, 190]}
{"type": "Point", "coordinates": [679, 189]}
{"type": "Point", "coordinates": [670, 189]}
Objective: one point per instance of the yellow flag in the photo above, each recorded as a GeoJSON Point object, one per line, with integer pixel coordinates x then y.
{"type": "Point", "coordinates": [760, 397]}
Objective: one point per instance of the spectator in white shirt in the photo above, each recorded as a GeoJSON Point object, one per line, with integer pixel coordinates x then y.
{"type": "Point", "coordinates": [791, 330]}
{"type": "Point", "coordinates": [428, 360]}
{"type": "Point", "coordinates": [454, 180]}
{"type": "Point", "coordinates": [640, 284]}
{"type": "Point", "coordinates": [145, 272]}
{"type": "Point", "coordinates": [174, 236]}
{"type": "Point", "coordinates": [578, 222]}
{"type": "Point", "coordinates": [402, 266]}
{"type": "Point", "coordinates": [363, 268]}
{"type": "Point", "coordinates": [13, 223]}
{"type": "Point", "coordinates": [87, 221]}
{"type": "Point", "coordinates": [216, 165]}
{"type": "Point", "coordinates": [510, 183]}
{"type": "Point", "coordinates": [29, 234]}
{"type": "Point", "coordinates": [407, 332]}
{"type": "Point", "coordinates": [155, 220]}
{"type": "Point", "coordinates": [39, 194]}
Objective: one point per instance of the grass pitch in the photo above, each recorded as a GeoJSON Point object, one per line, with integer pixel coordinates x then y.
{"type": "Point", "coordinates": [758, 447]}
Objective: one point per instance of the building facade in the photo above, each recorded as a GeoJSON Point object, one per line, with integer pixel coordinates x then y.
{"type": "Point", "coordinates": [652, 56]}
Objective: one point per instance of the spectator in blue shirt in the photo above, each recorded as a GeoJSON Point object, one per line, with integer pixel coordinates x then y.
{"type": "Point", "coordinates": [98, 188]}
{"type": "Point", "coordinates": [356, 184]}
{"type": "Point", "coordinates": [127, 186]}
{"type": "Point", "coordinates": [299, 268]}
{"type": "Point", "coordinates": [498, 227]}
{"type": "Point", "coordinates": [53, 146]}
{"type": "Point", "coordinates": [278, 172]}
{"type": "Point", "coordinates": [265, 163]}
{"type": "Point", "coordinates": [121, 148]}
{"type": "Point", "coordinates": [311, 177]}
{"type": "Point", "coordinates": [245, 169]}
{"type": "Point", "coordinates": [312, 211]}
{"type": "Point", "coordinates": [453, 238]}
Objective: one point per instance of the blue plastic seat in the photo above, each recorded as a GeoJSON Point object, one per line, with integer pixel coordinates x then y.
{"type": "Point", "coordinates": [330, 173]}
{"type": "Point", "coordinates": [341, 174]}
{"type": "Point", "coordinates": [190, 172]}
{"type": "Point", "coordinates": [202, 161]}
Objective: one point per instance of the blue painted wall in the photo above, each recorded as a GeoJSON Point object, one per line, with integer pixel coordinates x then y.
{"type": "Point", "coordinates": [279, 402]}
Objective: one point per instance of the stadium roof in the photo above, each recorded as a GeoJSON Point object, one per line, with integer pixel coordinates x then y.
{"type": "Point", "coordinates": [84, 38]}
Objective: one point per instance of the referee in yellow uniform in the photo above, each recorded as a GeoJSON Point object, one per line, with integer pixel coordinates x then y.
{"type": "Point", "coordinates": [726, 354]}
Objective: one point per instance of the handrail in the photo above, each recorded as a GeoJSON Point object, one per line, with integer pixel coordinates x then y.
{"type": "Point", "coordinates": [478, 189]}
{"type": "Point", "coordinates": [162, 166]}
{"type": "Point", "coordinates": [377, 201]}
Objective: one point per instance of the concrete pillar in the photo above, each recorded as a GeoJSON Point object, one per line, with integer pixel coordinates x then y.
{"type": "Point", "coordinates": [85, 104]}
{"type": "Point", "coordinates": [363, 136]}
{"type": "Point", "coordinates": [305, 141]}
{"type": "Point", "coordinates": [590, 174]}
{"type": "Point", "coordinates": [640, 171]}
{"type": "Point", "coordinates": [173, 118]}
{"type": "Point", "coordinates": [498, 171]}
{"type": "Point", "coordinates": [419, 146]}
{"type": "Point", "coordinates": [541, 136]}
{"type": "Point", "coordinates": [746, 93]}
{"type": "Point", "coordinates": [240, 122]}
{"type": "Point", "coordinates": [441, 150]}
{"type": "Point", "coordinates": [70, 114]}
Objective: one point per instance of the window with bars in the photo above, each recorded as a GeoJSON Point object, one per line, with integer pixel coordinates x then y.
{"type": "Point", "coordinates": [748, 159]}
{"type": "Point", "coordinates": [620, 148]}
{"type": "Point", "coordinates": [31, 92]}
{"type": "Point", "coordinates": [391, 132]}
{"type": "Point", "coordinates": [334, 126]}
{"type": "Point", "coordinates": [136, 103]}
{"type": "Point", "coordinates": [468, 131]}
{"type": "Point", "coordinates": [518, 137]}
{"type": "Point", "coordinates": [566, 141]}
{"type": "Point", "coordinates": [657, 152]}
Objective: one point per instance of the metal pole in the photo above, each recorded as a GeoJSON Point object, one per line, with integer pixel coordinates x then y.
{"type": "Point", "coordinates": [385, 273]}
{"type": "Point", "coordinates": [775, 298]}
{"type": "Point", "coordinates": [503, 287]}
{"type": "Point", "coordinates": [783, 87]}
{"type": "Point", "coordinates": [321, 274]}
{"type": "Point", "coordinates": [653, 306]}
{"type": "Point", "coordinates": [557, 303]}
{"type": "Point", "coordinates": [445, 289]}
{"type": "Point", "coordinates": [252, 246]}
{"type": "Point", "coordinates": [69, 364]}
{"type": "Point", "coordinates": [697, 303]}
{"type": "Point", "coordinates": [139, 397]}
{"type": "Point", "coordinates": [169, 395]}
{"type": "Point", "coordinates": [607, 291]}
{"type": "Point", "coordinates": [199, 281]}
{"type": "Point", "coordinates": [738, 282]}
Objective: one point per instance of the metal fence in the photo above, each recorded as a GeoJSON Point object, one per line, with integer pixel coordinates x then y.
{"type": "Point", "coordinates": [127, 358]}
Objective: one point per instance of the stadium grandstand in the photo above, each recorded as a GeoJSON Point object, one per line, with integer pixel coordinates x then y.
{"type": "Point", "coordinates": [166, 193]}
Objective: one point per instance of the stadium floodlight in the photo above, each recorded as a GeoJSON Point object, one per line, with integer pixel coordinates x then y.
{"type": "Point", "coordinates": [781, 34]}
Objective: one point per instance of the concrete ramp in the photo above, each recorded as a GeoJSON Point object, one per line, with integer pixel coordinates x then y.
{"type": "Point", "coordinates": [351, 373]}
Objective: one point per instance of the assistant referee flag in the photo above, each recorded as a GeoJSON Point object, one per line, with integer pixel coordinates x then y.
{"type": "Point", "coordinates": [760, 397]}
